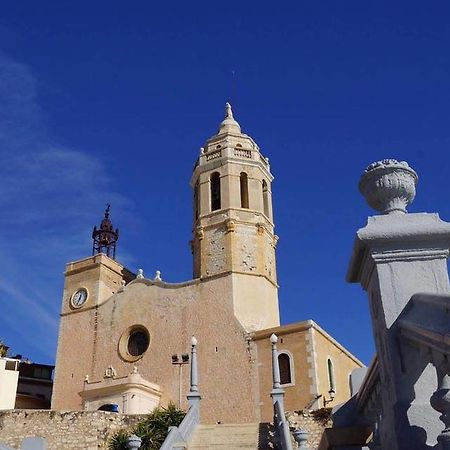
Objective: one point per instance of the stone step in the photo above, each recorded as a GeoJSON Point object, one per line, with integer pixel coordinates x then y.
{"type": "Point", "coordinates": [225, 436]}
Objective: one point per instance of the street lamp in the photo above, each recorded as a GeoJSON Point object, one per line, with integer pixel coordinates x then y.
{"type": "Point", "coordinates": [180, 361]}
{"type": "Point", "coordinates": [332, 393]}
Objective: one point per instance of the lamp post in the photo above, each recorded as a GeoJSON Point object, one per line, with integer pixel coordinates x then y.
{"type": "Point", "coordinates": [332, 393]}
{"type": "Point", "coordinates": [180, 361]}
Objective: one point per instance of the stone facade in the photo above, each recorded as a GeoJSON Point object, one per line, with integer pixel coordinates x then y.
{"type": "Point", "coordinates": [231, 306]}
{"type": "Point", "coordinates": [68, 430]}
{"type": "Point", "coordinates": [314, 424]}
{"type": "Point", "coordinates": [171, 314]}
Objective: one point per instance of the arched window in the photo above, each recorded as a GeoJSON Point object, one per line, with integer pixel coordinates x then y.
{"type": "Point", "coordinates": [284, 363]}
{"type": "Point", "coordinates": [244, 190]}
{"type": "Point", "coordinates": [215, 191]}
{"type": "Point", "coordinates": [265, 193]}
{"type": "Point", "coordinates": [111, 407]}
{"type": "Point", "coordinates": [331, 382]}
{"type": "Point", "coordinates": [196, 201]}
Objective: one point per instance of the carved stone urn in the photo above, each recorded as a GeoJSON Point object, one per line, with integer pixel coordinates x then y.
{"type": "Point", "coordinates": [133, 442]}
{"type": "Point", "coordinates": [389, 186]}
{"type": "Point", "coordinates": [301, 438]}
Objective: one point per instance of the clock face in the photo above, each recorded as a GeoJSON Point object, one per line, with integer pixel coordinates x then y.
{"type": "Point", "coordinates": [79, 298]}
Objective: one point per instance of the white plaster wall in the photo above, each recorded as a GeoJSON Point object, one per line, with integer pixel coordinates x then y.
{"type": "Point", "coordinates": [8, 385]}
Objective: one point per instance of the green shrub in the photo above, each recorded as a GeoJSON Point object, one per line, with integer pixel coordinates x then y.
{"type": "Point", "coordinates": [153, 429]}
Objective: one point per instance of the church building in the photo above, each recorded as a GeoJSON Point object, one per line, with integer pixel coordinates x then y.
{"type": "Point", "coordinates": [124, 338]}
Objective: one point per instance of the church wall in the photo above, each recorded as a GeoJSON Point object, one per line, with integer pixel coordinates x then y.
{"type": "Point", "coordinates": [171, 314]}
{"type": "Point", "coordinates": [343, 364]}
{"type": "Point", "coordinates": [255, 301]}
{"type": "Point", "coordinates": [309, 370]}
{"type": "Point", "coordinates": [297, 393]}
{"type": "Point", "coordinates": [75, 356]}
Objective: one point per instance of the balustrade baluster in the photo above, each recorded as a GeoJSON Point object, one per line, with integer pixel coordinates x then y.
{"type": "Point", "coordinates": [440, 401]}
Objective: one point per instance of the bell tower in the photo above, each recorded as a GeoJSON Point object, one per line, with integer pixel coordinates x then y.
{"type": "Point", "coordinates": [233, 222]}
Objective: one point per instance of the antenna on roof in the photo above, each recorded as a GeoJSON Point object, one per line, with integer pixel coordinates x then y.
{"type": "Point", "coordinates": [233, 86]}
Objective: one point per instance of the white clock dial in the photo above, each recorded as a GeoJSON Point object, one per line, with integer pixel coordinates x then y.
{"type": "Point", "coordinates": [79, 298]}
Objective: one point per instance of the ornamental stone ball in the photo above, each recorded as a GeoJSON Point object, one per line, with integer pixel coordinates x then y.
{"type": "Point", "coordinates": [389, 186]}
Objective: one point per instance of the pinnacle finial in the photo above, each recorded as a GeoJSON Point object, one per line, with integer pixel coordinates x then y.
{"type": "Point", "coordinates": [228, 110]}
{"type": "Point", "coordinates": [229, 124]}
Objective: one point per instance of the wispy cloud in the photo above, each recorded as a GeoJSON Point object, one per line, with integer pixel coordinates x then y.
{"type": "Point", "coordinates": [47, 193]}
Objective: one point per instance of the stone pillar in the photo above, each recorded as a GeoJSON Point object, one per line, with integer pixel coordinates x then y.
{"type": "Point", "coordinates": [277, 392]}
{"type": "Point", "coordinates": [194, 396]}
{"type": "Point", "coordinates": [395, 256]}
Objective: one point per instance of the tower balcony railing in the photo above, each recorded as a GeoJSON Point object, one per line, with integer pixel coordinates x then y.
{"type": "Point", "coordinates": [233, 152]}
{"type": "Point", "coordinates": [242, 153]}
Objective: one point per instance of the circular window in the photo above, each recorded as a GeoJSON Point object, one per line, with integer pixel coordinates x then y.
{"type": "Point", "coordinates": [134, 342]}
{"type": "Point", "coordinates": [138, 343]}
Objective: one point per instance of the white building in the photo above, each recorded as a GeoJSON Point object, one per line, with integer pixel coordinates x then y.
{"type": "Point", "coordinates": [9, 376]}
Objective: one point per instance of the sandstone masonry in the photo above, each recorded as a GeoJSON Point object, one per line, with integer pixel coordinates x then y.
{"type": "Point", "coordinates": [68, 430]}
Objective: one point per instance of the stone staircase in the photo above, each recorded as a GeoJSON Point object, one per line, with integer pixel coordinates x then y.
{"type": "Point", "coordinates": [226, 437]}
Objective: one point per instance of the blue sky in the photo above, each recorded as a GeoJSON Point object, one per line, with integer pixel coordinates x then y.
{"type": "Point", "coordinates": [111, 101]}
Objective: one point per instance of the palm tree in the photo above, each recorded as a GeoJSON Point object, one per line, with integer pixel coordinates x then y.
{"type": "Point", "coordinates": [3, 349]}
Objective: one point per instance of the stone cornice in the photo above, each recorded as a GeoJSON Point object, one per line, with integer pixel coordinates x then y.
{"type": "Point", "coordinates": [398, 237]}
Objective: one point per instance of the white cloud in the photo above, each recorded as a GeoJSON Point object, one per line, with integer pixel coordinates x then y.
{"type": "Point", "coordinates": [48, 195]}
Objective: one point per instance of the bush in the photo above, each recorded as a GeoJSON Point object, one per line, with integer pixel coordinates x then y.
{"type": "Point", "coordinates": [322, 415]}
{"type": "Point", "coordinates": [153, 429]}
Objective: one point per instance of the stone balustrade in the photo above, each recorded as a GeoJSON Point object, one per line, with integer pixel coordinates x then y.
{"type": "Point", "coordinates": [242, 153]}
{"type": "Point", "coordinates": [425, 323]}
{"type": "Point", "coordinates": [231, 152]}
{"type": "Point", "coordinates": [213, 155]}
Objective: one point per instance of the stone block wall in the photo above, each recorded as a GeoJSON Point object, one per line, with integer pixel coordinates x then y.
{"type": "Point", "coordinates": [68, 430]}
{"type": "Point", "coordinates": [313, 422]}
